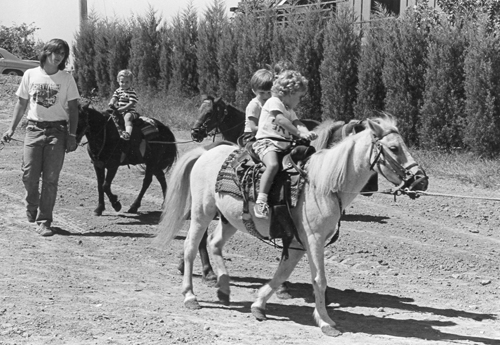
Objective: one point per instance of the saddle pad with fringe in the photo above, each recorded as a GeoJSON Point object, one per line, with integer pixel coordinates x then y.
{"type": "Point", "coordinates": [246, 179]}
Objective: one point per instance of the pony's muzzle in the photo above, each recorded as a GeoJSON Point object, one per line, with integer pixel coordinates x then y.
{"type": "Point", "coordinates": [418, 181]}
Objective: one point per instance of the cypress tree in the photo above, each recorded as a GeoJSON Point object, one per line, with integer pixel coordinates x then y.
{"type": "Point", "coordinates": [339, 71]}
{"type": "Point", "coordinates": [371, 89]}
{"type": "Point", "coordinates": [443, 110]}
{"type": "Point", "coordinates": [308, 54]}
{"type": "Point", "coordinates": [227, 57]}
{"type": "Point", "coordinates": [145, 50]}
{"type": "Point", "coordinates": [482, 87]}
{"type": "Point", "coordinates": [100, 63]}
{"type": "Point", "coordinates": [403, 72]}
{"type": "Point", "coordinates": [166, 52]}
{"type": "Point", "coordinates": [209, 35]}
{"type": "Point", "coordinates": [83, 52]}
{"type": "Point", "coordinates": [119, 37]}
{"type": "Point", "coordinates": [184, 80]}
{"type": "Point", "coordinates": [254, 49]}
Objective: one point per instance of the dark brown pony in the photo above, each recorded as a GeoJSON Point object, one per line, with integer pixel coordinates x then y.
{"type": "Point", "coordinates": [218, 117]}
{"type": "Point", "coordinates": [107, 152]}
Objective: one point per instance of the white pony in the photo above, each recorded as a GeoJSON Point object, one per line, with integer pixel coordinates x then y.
{"type": "Point", "coordinates": [335, 176]}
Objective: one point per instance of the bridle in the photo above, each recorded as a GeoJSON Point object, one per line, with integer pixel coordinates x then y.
{"type": "Point", "coordinates": [198, 133]}
{"type": "Point", "coordinates": [221, 110]}
{"type": "Point", "coordinates": [86, 127]}
{"type": "Point", "coordinates": [411, 175]}
{"type": "Point", "coordinates": [95, 158]}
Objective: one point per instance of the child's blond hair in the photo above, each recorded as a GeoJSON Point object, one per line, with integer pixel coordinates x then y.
{"type": "Point", "coordinates": [125, 73]}
{"type": "Point", "coordinates": [289, 82]}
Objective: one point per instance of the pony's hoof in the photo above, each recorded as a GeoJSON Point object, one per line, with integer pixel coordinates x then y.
{"type": "Point", "coordinates": [330, 331]}
{"type": "Point", "coordinates": [210, 279]}
{"type": "Point", "coordinates": [283, 292]}
{"type": "Point", "coordinates": [192, 304]}
{"type": "Point", "coordinates": [259, 313]}
{"type": "Point", "coordinates": [133, 209]}
{"type": "Point", "coordinates": [117, 206]}
{"type": "Point", "coordinates": [223, 297]}
{"type": "Point", "coordinates": [98, 211]}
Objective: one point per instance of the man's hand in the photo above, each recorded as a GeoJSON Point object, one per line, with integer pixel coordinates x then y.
{"type": "Point", "coordinates": [7, 136]}
{"type": "Point", "coordinates": [71, 143]}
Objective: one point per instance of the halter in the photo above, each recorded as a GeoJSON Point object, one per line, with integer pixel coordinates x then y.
{"type": "Point", "coordinates": [202, 130]}
{"type": "Point", "coordinates": [95, 157]}
{"type": "Point", "coordinates": [385, 157]}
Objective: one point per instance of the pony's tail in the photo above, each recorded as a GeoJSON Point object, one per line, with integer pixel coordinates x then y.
{"type": "Point", "coordinates": [178, 199]}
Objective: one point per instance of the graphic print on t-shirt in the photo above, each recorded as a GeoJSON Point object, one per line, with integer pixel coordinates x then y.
{"type": "Point", "coordinates": [45, 94]}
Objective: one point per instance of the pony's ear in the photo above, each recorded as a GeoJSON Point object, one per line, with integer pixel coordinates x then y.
{"type": "Point", "coordinates": [85, 106]}
{"type": "Point", "coordinates": [217, 100]}
{"type": "Point", "coordinates": [377, 130]}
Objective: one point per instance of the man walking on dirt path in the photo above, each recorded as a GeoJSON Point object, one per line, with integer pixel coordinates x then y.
{"type": "Point", "coordinates": [52, 96]}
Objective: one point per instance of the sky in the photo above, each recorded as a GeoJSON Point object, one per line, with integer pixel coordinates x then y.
{"type": "Point", "coordinates": [60, 18]}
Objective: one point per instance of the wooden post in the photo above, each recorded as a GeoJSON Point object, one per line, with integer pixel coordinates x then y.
{"type": "Point", "coordinates": [83, 11]}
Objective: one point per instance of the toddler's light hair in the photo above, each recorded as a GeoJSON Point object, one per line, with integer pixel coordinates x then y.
{"type": "Point", "coordinates": [289, 82]}
{"type": "Point", "coordinates": [125, 73]}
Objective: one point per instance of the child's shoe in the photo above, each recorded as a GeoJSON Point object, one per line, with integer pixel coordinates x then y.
{"type": "Point", "coordinates": [125, 135]}
{"type": "Point", "coordinates": [261, 210]}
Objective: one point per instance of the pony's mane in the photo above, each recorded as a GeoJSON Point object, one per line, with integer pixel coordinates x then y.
{"type": "Point", "coordinates": [325, 132]}
{"type": "Point", "coordinates": [387, 121]}
{"type": "Point", "coordinates": [328, 169]}
{"type": "Point", "coordinates": [236, 109]}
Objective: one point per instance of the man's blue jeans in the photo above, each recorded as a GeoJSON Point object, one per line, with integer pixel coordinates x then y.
{"type": "Point", "coordinates": [44, 151]}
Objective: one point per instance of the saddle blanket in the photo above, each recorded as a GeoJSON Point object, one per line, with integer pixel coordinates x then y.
{"type": "Point", "coordinates": [229, 181]}
{"type": "Point", "coordinates": [149, 128]}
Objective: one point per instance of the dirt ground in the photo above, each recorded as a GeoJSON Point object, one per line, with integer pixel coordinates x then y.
{"type": "Point", "coordinates": [404, 271]}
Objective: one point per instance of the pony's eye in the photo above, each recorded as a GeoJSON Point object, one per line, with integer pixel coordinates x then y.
{"type": "Point", "coordinates": [394, 149]}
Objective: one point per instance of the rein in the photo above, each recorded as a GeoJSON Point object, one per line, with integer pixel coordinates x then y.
{"type": "Point", "coordinates": [420, 193]}
{"type": "Point", "coordinates": [95, 157]}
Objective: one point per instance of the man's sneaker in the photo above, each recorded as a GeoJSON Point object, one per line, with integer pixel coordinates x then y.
{"type": "Point", "coordinates": [44, 230]}
{"type": "Point", "coordinates": [125, 135]}
{"type": "Point", "coordinates": [261, 210]}
{"type": "Point", "coordinates": [31, 215]}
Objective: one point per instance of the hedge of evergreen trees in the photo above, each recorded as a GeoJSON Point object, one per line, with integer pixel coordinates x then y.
{"type": "Point", "coordinates": [439, 75]}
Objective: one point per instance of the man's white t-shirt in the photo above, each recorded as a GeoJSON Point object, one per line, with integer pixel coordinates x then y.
{"type": "Point", "coordinates": [48, 95]}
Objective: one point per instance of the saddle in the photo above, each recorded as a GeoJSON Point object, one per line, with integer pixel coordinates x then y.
{"type": "Point", "coordinates": [240, 176]}
{"type": "Point", "coordinates": [144, 130]}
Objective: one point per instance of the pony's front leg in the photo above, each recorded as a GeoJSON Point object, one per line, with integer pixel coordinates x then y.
{"type": "Point", "coordinates": [317, 265]}
{"type": "Point", "coordinates": [100, 174]}
{"type": "Point", "coordinates": [110, 175]}
{"type": "Point", "coordinates": [222, 233]}
{"type": "Point", "coordinates": [284, 270]}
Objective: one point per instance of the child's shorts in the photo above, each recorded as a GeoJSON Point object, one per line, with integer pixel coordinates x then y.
{"type": "Point", "coordinates": [263, 146]}
{"type": "Point", "coordinates": [133, 115]}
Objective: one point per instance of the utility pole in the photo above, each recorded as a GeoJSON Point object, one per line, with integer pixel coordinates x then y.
{"type": "Point", "coordinates": [83, 12]}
